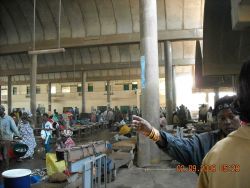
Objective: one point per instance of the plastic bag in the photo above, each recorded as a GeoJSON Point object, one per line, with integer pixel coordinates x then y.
{"type": "Point", "coordinates": [53, 166]}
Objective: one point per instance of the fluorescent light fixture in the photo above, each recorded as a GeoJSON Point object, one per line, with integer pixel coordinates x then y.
{"type": "Point", "coordinates": [47, 51]}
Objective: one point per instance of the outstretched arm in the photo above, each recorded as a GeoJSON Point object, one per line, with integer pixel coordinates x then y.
{"type": "Point", "coordinates": [186, 151]}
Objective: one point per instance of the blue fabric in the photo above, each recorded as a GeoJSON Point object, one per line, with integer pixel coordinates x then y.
{"type": "Point", "coordinates": [143, 80]}
{"type": "Point", "coordinates": [110, 164]}
{"type": "Point", "coordinates": [189, 151]}
{"type": "Point", "coordinates": [28, 138]}
{"type": "Point", "coordinates": [35, 179]}
{"type": "Point", "coordinates": [47, 145]}
{"type": "Point", "coordinates": [7, 128]}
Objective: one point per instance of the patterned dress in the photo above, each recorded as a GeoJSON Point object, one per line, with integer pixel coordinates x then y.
{"type": "Point", "coordinates": [28, 138]}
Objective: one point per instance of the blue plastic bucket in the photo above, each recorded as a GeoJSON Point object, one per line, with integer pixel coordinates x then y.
{"type": "Point", "coordinates": [16, 178]}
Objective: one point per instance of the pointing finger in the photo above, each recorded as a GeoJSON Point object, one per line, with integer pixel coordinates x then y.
{"type": "Point", "coordinates": [137, 118]}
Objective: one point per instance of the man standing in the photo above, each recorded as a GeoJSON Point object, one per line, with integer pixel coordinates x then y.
{"type": "Point", "coordinates": [7, 130]}
{"type": "Point", "coordinates": [229, 158]}
{"type": "Point", "coordinates": [192, 151]}
{"type": "Point", "coordinates": [110, 117]}
{"type": "Point", "coordinates": [76, 113]}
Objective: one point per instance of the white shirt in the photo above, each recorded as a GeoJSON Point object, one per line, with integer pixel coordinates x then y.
{"type": "Point", "coordinates": [48, 128]}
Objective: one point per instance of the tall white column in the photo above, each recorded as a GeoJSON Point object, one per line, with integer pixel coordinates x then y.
{"type": "Point", "coordinates": [148, 152]}
{"type": "Point", "coordinates": [169, 80]}
{"type": "Point", "coordinates": [9, 95]}
{"type": "Point", "coordinates": [83, 92]}
{"type": "Point", "coordinates": [33, 76]}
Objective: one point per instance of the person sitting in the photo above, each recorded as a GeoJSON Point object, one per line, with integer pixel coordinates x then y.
{"type": "Point", "coordinates": [65, 141]}
{"type": "Point", "coordinates": [191, 151]}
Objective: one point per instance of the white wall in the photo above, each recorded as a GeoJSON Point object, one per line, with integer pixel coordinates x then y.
{"type": "Point", "coordinates": [96, 98]}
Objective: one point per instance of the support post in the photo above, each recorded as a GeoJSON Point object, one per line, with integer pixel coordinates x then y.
{"type": "Point", "coordinates": [216, 92]}
{"type": "Point", "coordinates": [49, 97]}
{"type": "Point", "coordinates": [234, 83]}
{"type": "Point", "coordinates": [174, 89]}
{"type": "Point", "coordinates": [148, 152]}
{"type": "Point", "coordinates": [108, 93]}
{"type": "Point", "coordinates": [9, 95]}
{"type": "Point", "coordinates": [33, 88]}
{"type": "Point", "coordinates": [169, 80]}
{"type": "Point", "coordinates": [0, 94]}
{"type": "Point", "coordinates": [207, 97]}
{"type": "Point", "coordinates": [83, 92]}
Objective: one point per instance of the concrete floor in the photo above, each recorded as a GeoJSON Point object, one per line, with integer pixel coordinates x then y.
{"type": "Point", "coordinates": [153, 177]}
{"type": "Point", "coordinates": [157, 177]}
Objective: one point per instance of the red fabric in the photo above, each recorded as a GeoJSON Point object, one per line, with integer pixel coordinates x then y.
{"type": "Point", "coordinates": [67, 172]}
{"type": "Point", "coordinates": [61, 127]}
{"type": "Point", "coordinates": [11, 153]}
{"type": "Point", "coordinates": [69, 113]}
{"type": "Point", "coordinates": [50, 120]}
{"type": "Point", "coordinates": [243, 123]}
{"type": "Point", "coordinates": [69, 143]}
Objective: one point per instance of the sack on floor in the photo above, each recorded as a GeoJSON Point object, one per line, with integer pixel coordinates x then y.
{"type": "Point", "coordinates": [52, 165]}
{"type": "Point", "coordinates": [57, 178]}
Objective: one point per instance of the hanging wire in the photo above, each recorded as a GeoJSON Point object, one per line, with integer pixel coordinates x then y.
{"type": "Point", "coordinates": [129, 73]}
{"type": "Point", "coordinates": [74, 61]}
{"type": "Point", "coordinates": [34, 26]}
{"type": "Point", "coordinates": [130, 59]}
{"type": "Point", "coordinates": [59, 24]}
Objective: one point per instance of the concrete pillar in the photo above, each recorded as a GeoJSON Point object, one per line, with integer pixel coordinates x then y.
{"type": "Point", "coordinates": [83, 92]}
{"type": "Point", "coordinates": [108, 93]}
{"type": "Point", "coordinates": [0, 94]}
{"type": "Point", "coordinates": [138, 99]}
{"type": "Point", "coordinates": [206, 99]}
{"type": "Point", "coordinates": [234, 83]}
{"type": "Point", "coordinates": [33, 88]}
{"type": "Point", "coordinates": [168, 80]}
{"type": "Point", "coordinates": [174, 89]}
{"type": "Point", "coordinates": [216, 92]}
{"type": "Point", "coordinates": [49, 96]}
{"type": "Point", "coordinates": [148, 152]}
{"type": "Point", "coordinates": [9, 95]}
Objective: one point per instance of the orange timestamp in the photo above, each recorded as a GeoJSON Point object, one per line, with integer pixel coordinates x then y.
{"type": "Point", "coordinates": [209, 168]}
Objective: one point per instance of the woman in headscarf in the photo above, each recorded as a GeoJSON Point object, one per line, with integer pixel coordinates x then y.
{"type": "Point", "coordinates": [27, 135]}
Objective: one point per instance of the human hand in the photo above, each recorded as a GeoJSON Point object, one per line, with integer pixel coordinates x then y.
{"type": "Point", "coordinates": [142, 125]}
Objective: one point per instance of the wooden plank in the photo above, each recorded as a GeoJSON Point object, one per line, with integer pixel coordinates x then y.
{"type": "Point", "coordinates": [121, 159]}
